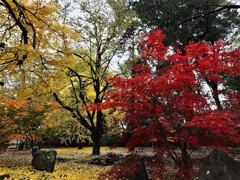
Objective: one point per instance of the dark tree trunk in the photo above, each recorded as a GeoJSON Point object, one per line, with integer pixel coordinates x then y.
{"type": "Point", "coordinates": [96, 144]}
{"type": "Point", "coordinates": [97, 132]}
{"type": "Point", "coordinates": [32, 144]}
{"type": "Point", "coordinates": [185, 171]}
{"type": "Point", "coordinates": [80, 145]}
{"type": "Point", "coordinates": [214, 87]}
{"type": "Point", "coordinates": [20, 146]}
{"type": "Point", "coordinates": [26, 143]}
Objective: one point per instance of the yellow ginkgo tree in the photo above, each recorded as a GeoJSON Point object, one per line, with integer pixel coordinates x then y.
{"type": "Point", "coordinates": [31, 36]}
{"type": "Point", "coordinates": [102, 25]}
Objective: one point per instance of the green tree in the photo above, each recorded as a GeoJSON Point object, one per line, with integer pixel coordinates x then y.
{"type": "Point", "coordinates": [102, 26]}
{"type": "Point", "coordinates": [185, 20]}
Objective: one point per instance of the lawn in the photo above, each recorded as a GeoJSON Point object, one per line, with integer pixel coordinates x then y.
{"type": "Point", "coordinates": [71, 164]}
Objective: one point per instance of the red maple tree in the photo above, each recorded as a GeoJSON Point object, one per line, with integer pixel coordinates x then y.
{"type": "Point", "coordinates": [183, 103]}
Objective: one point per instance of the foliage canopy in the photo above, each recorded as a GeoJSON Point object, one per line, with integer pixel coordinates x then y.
{"type": "Point", "coordinates": [183, 106]}
{"type": "Point", "coordinates": [185, 20]}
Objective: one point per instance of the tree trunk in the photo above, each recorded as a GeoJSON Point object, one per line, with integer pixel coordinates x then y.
{"type": "Point", "coordinates": [20, 145]}
{"type": "Point", "coordinates": [80, 145]}
{"type": "Point", "coordinates": [96, 145]}
{"type": "Point", "coordinates": [214, 87]}
{"type": "Point", "coordinates": [26, 143]}
{"type": "Point", "coordinates": [32, 144]}
{"type": "Point", "coordinates": [185, 171]}
{"type": "Point", "coordinates": [97, 132]}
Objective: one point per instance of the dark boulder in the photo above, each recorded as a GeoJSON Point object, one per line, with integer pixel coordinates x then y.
{"type": "Point", "coordinates": [218, 166]}
{"type": "Point", "coordinates": [107, 159]}
{"type": "Point", "coordinates": [44, 160]}
{"type": "Point", "coordinates": [3, 176]}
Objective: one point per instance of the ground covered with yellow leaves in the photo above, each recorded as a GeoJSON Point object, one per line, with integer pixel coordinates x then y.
{"type": "Point", "coordinates": [71, 164]}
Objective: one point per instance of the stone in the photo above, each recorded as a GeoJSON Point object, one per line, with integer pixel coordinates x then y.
{"type": "Point", "coordinates": [107, 159]}
{"type": "Point", "coordinates": [3, 176]}
{"type": "Point", "coordinates": [139, 173]}
{"type": "Point", "coordinates": [131, 167]}
{"type": "Point", "coordinates": [218, 166]}
{"type": "Point", "coordinates": [44, 160]}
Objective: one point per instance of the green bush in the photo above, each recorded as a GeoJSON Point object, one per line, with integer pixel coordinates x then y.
{"type": "Point", "coordinates": [109, 139]}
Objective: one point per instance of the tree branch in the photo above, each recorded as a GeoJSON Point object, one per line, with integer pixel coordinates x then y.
{"type": "Point", "coordinates": [74, 113]}
{"type": "Point", "coordinates": [18, 22]}
{"type": "Point", "coordinates": [227, 7]}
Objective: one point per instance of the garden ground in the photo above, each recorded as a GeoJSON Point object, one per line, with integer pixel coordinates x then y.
{"type": "Point", "coordinates": [73, 164]}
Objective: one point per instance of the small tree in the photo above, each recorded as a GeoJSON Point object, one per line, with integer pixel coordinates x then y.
{"type": "Point", "coordinates": [173, 108]}
{"type": "Point", "coordinates": [25, 120]}
{"type": "Point", "coordinates": [4, 132]}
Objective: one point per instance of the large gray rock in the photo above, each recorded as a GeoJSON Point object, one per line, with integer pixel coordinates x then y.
{"type": "Point", "coordinates": [218, 166]}
{"type": "Point", "coordinates": [44, 160]}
